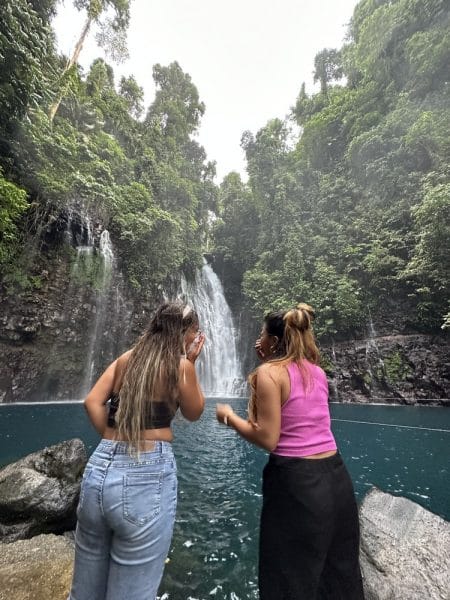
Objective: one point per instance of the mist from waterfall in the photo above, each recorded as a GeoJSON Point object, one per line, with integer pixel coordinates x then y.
{"type": "Point", "coordinates": [219, 367]}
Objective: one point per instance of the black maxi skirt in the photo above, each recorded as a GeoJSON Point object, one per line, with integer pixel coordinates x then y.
{"type": "Point", "coordinates": [309, 536]}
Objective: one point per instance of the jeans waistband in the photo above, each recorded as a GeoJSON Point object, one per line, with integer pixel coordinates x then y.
{"type": "Point", "coordinates": [115, 447]}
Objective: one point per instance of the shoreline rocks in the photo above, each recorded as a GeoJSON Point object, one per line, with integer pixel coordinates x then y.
{"type": "Point", "coordinates": [405, 550]}
{"type": "Point", "coordinates": [36, 569]}
{"type": "Point", "coordinates": [39, 493]}
{"type": "Point", "coordinates": [405, 555]}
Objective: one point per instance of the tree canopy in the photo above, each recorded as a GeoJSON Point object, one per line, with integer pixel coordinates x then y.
{"type": "Point", "coordinates": [355, 218]}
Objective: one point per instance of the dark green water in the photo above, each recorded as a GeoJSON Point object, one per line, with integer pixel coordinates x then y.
{"type": "Point", "coordinates": [403, 450]}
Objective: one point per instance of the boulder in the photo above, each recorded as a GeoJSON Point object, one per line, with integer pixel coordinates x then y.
{"type": "Point", "coordinates": [39, 493]}
{"type": "Point", "coordinates": [36, 569]}
{"type": "Point", "coordinates": [405, 550]}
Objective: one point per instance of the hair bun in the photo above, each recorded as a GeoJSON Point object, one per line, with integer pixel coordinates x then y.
{"type": "Point", "coordinates": [309, 309]}
{"type": "Point", "coordinates": [300, 317]}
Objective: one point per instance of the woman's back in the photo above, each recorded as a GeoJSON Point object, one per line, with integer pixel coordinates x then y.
{"type": "Point", "coordinates": [305, 416]}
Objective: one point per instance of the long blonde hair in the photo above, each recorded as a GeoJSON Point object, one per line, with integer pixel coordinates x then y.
{"type": "Point", "coordinates": [153, 369]}
{"type": "Point", "coordinates": [296, 343]}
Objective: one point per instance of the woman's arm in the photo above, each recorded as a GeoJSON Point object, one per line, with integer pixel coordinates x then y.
{"type": "Point", "coordinates": [95, 402]}
{"type": "Point", "coordinates": [266, 432]}
{"type": "Point", "coordinates": [192, 401]}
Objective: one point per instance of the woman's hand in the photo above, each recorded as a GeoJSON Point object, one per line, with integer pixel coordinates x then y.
{"type": "Point", "coordinates": [195, 348]}
{"type": "Point", "coordinates": [259, 350]}
{"type": "Point", "coordinates": [223, 411]}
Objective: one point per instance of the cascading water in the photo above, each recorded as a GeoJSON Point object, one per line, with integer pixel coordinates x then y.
{"type": "Point", "coordinates": [332, 380]}
{"type": "Point", "coordinates": [219, 367]}
{"type": "Point", "coordinates": [101, 309]}
{"type": "Point", "coordinates": [93, 325]}
{"type": "Point", "coordinates": [374, 361]}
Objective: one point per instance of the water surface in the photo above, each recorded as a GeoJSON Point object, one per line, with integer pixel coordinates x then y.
{"type": "Point", "coordinates": [403, 450]}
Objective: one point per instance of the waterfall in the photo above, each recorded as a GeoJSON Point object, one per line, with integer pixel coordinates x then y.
{"type": "Point", "coordinates": [93, 324]}
{"type": "Point", "coordinates": [333, 380]}
{"type": "Point", "coordinates": [219, 367]}
{"type": "Point", "coordinates": [374, 361]}
{"type": "Point", "coordinates": [97, 329]}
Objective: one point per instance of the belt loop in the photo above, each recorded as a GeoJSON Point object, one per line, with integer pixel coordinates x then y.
{"type": "Point", "coordinates": [114, 446]}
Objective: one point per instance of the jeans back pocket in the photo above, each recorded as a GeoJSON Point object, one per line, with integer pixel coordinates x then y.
{"type": "Point", "coordinates": [142, 497]}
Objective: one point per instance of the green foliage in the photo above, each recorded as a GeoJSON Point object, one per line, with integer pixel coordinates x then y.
{"type": "Point", "coordinates": [27, 62]}
{"type": "Point", "coordinates": [327, 68]}
{"type": "Point", "coordinates": [327, 364]}
{"type": "Point", "coordinates": [148, 237]}
{"type": "Point", "coordinates": [148, 181]}
{"type": "Point", "coordinates": [13, 203]}
{"type": "Point", "coordinates": [396, 367]}
{"type": "Point", "coordinates": [351, 214]}
{"type": "Point", "coordinates": [88, 270]}
{"type": "Point", "coordinates": [176, 108]}
{"type": "Point", "coordinates": [357, 214]}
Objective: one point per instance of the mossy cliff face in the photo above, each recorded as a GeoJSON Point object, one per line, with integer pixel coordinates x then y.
{"type": "Point", "coordinates": [54, 340]}
{"type": "Point", "coordinates": [406, 369]}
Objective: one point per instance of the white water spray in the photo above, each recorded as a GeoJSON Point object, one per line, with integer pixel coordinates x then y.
{"type": "Point", "coordinates": [219, 367]}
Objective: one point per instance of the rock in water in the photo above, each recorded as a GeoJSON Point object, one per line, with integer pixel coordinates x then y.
{"type": "Point", "coordinates": [36, 569]}
{"type": "Point", "coordinates": [39, 493]}
{"type": "Point", "coordinates": [405, 550]}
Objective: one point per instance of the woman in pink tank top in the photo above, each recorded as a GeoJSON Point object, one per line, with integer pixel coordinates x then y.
{"type": "Point", "coordinates": [309, 531]}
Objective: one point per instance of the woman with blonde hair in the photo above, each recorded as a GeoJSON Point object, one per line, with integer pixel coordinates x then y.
{"type": "Point", "coordinates": [309, 532]}
{"type": "Point", "coordinates": [128, 494]}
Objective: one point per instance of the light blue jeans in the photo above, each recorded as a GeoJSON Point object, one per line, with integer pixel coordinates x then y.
{"type": "Point", "coordinates": [125, 514]}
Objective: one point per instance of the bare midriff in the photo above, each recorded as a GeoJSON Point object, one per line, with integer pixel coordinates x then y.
{"type": "Point", "coordinates": [322, 454]}
{"type": "Point", "coordinates": [164, 434]}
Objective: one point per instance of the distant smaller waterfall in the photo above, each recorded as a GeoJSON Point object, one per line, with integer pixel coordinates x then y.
{"type": "Point", "coordinates": [374, 361]}
{"type": "Point", "coordinates": [332, 380]}
{"type": "Point", "coordinates": [219, 367]}
{"type": "Point", "coordinates": [92, 326]}
{"type": "Point", "coordinates": [97, 329]}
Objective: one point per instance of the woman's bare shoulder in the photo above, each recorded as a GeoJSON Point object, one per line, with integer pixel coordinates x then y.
{"type": "Point", "coordinates": [275, 370]}
{"type": "Point", "coordinates": [123, 358]}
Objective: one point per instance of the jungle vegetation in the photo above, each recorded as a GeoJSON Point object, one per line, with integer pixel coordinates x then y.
{"type": "Point", "coordinates": [347, 204]}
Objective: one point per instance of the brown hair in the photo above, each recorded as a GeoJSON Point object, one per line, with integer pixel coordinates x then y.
{"type": "Point", "coordinates": [153, 369]}
{"type": "Point", "coordinates": [296, 343]}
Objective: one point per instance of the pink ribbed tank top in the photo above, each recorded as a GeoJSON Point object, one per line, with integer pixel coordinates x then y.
{"type": "Point", "coordinates": [305, 416]}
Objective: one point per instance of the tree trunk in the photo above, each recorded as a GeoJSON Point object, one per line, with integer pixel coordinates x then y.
{"type": "Point", "coordinates": [72, 61]}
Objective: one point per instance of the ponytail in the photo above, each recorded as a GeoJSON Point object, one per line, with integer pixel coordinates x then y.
{"type": "Point", "coordinates": [299, 335]}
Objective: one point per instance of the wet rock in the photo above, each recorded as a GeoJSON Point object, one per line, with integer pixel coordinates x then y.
{"type": "Point", "coordinates": [36, 569]}
{"type": "Point", "coordinates": [401, 369]}
{"type": "Point", "coordinates": [405, 550]}
{"type": "Point", "coordinates": [39, 493]}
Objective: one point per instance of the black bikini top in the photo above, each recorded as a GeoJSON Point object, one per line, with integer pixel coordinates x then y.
{"type": "Point", "coordinates": [159, 414]}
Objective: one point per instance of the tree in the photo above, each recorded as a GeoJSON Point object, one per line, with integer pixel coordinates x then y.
{"type": "Point", "coordinates": [327, 68]}
{"type": "Point", "coordinates": [111, 36]}
{"type": "Point", "coordinates": [176, 108]}
{"type": "Point", "coordinates": [133, 94]}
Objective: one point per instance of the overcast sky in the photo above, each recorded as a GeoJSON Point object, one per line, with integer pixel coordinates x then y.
{"type": "Point", "coordinates": [247, 58]}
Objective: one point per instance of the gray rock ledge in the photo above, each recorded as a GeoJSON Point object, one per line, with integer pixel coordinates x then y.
{"type": "Point", "coordinates": [39, 493]}
{"type": "Point", "coordinates": [405, 550]}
